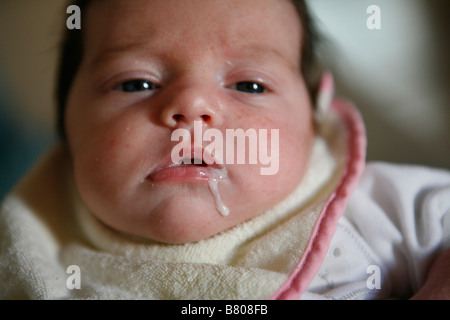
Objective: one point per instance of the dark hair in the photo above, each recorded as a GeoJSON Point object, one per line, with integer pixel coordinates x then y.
{"type": "Point", "coordinates": [310, 63]}
{"type": "Point", "coordinates": [71, 56]}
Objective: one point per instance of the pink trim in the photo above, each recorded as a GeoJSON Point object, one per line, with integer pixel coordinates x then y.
{"type": "Point", "coordinates": [327, 83]}
{"type": "Point", "coordinates": [326, 224]}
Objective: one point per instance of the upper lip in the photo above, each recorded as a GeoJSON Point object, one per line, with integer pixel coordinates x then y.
{"type": "Point", "coordinates": [197, 153]}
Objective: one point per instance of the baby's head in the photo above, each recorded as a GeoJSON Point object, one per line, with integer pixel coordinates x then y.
{"type": "Point", "coordinates": [143, 69]}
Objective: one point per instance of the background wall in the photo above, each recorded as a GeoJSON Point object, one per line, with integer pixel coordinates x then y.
{"type": "Point", "coordinates": [398, 76]}
{"type": "Point", "coordinates": [29, 35]}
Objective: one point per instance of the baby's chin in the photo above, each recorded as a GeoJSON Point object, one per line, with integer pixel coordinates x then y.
{"type": "Point", "coordinates": [181, 220]}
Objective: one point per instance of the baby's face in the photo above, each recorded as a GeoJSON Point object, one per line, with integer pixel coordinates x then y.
{"type": "Point", "coordinates": [151, 67]}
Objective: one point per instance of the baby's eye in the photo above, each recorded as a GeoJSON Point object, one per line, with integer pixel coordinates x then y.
{"type": "Point", "coordinates": [249, 87]}
{"type": "Point", "coordinates": [135, 86]}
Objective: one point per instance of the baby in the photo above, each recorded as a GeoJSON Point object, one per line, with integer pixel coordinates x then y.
{"type": "Point", "coordinates": [145, 197]}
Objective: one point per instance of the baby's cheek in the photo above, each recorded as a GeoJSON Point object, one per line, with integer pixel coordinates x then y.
{"type": "Point", "coordinates": [295, 149]}
{"type": "Point", "coordinates": [91, 177]}
{"type": "Point", "coordinates": [97, 165]}
{"type": "Point", "coordinates": [114, 145]}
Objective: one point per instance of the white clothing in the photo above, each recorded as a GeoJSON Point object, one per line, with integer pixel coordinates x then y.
{"type": "Point", "coordinates": [397, 221]}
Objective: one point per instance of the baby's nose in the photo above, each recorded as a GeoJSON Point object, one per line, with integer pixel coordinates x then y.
{"type": "Point", "coordinates": [191, 104]}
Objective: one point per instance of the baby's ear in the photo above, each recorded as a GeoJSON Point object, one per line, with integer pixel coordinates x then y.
{"type": "Point", "coordinates": [324, 97]}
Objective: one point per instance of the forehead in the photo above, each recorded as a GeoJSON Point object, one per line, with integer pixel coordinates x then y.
{"type": "Point", "coordinates": [169, 26]}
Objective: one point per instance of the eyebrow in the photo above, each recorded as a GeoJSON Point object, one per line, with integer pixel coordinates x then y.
{"type": "Point", "coordinates": [271, 51]}
{"type": "Point", "coordinates": [135, 47]}
{"type": "Point", "coordinates": [142, 49]}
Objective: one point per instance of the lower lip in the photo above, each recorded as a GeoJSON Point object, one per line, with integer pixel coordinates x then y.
{"type": "Point", "coordinates": [185, 174]}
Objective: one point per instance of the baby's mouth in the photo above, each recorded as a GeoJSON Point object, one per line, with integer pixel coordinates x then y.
{"type": "Point", "coordinates": [194, 169]}
{"type": "Point", "coordinates": [191, 162]}
{"type": "Point", "coordinates": [201, 166]}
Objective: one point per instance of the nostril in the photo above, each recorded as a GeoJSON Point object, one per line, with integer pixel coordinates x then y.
{"type": "Point", "coordinates": [180, 117]}
{"type": "Point", "coordinates": [177, 117]}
